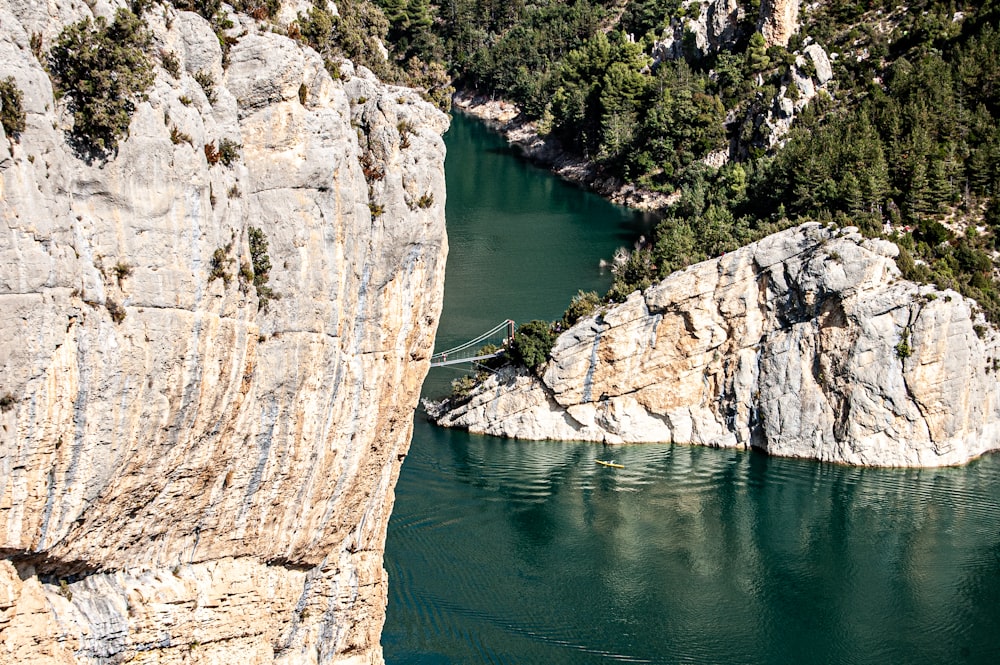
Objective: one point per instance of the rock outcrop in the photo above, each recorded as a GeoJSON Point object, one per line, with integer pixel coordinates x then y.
{"type": "Point", "coordinates": [185, 477]}
{"type": "Point", "coordinates": [810, 75]}
{"type": "Point", "coordinates": [711, 25]}
{"type": "Point", "coordinates": [779, 20]}
{"type": "Point", "coordinates": [806, 344]}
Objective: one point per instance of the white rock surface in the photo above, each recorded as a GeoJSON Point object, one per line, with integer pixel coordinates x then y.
{"type": "Point", "coordinates": [714, 24]}
{"type": "Point", "coordinates": [788, 345]}
{"type": "Point", "coordinates": [824, 72]}
{"type": "Point", "coordinates": [779, 20]}
{"type": "Point", "coordinates": [205, 481]}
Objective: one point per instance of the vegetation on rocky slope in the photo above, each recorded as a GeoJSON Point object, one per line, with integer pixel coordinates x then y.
{"type": "Point", "coordinates": [104, 70]}
{"type": "Point", "coordinates": [904, 141]}
{"type": "Point", "coordinates": [12, 115]}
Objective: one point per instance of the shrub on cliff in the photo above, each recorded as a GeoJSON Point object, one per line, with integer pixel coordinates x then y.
{"type": "Point", "coordinates": [355, 30]}
{"type": "Point", "coordinates": [104, 71]}
{"type": "Point", "coordinates": [584, 304]}
{"type": "Point", "coordinates": [11, 108]}
{"type": "Point", "coordinates": [261, 268]}
{"type": "Point", "coordinates": [532, 343]}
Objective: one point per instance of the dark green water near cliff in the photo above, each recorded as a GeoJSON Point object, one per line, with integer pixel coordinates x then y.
{"type": "Point", "coordinates": [524, 552]}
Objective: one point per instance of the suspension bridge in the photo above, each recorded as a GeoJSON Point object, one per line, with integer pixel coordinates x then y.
{"type": "Point", "coordinates": [499, 336]}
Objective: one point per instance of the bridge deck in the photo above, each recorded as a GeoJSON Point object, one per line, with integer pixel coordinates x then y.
{"type": "Point", "coordinates": [459, 361]}
{"type": "Point", "coordinates": [502, 334]}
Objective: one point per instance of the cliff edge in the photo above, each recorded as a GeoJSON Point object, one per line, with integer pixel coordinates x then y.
{"type": "Point", "coordinates": [209, 368]}
{"type": "Point", "coordinates": [804, 344]}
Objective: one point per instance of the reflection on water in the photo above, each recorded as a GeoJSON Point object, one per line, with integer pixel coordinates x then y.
{"type": "Point", "coordinates": [520, 552]}
{"type": "Point", "coordinates": [524, 552]}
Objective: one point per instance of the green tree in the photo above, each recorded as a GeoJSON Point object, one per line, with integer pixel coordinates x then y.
{"type": "Point", "coordinates": [104, 71]}
{"type": "Point", "coordinates": [12, 115]}
{"type": "Point", "coordinates": [757, 59]}
{"type": "Point", "coordinates": [261, 265]}
{"type": "Point", "coordinates": [532, 343]}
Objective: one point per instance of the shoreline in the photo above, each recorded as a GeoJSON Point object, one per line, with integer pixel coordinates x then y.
{"type": "Point", "coordinates": [505, 118]}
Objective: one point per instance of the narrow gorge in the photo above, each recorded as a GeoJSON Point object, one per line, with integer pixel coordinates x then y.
{"type": "Point", "coordinates": [209, 363]}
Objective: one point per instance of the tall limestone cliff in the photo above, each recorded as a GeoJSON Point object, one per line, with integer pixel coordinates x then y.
{"type": "Point", "coordinates": [186, 476]}
{"type": "Point", "coordinates": [806, 344]}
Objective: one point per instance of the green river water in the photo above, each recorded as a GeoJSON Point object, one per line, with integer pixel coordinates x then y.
{"type": "Point", "coordinates": [503, 551]}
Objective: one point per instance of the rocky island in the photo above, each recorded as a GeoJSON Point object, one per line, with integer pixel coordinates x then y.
{"type": "Point", "coordinates": [806, 344]}
{"type": "Point", "coordinates": [214, 336]}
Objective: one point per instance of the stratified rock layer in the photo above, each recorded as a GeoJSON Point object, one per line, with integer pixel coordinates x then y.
{"type": "Point", "coordinates": [805, 344]}
{"type": "Point", "coordinates": [206, 481]}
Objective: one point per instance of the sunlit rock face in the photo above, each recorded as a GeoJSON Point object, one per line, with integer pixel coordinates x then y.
{"type": "Point", "coordinates": [804, 344]}
{"type": "Point", "coordinates": [779, 20]}
{"type": "Point", "coordinates": [711, 25]}
{"type": "Point", "coordinates": [207, 480]}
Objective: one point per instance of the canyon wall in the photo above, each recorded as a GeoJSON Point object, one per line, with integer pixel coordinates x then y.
{"type": "Point", "coordinates": [187, 475]}
{"type": "Point", "coordinates": [804, 344]}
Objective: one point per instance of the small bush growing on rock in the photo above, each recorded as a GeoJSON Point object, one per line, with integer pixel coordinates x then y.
{"type": "Point", "coordinates": [7, 402]}
{"type": "Point", "coordinates": [370, 168]}
{"type": "Point", "coordinates": [532, 343]}
{"type": "Point", "coordinates": [104, 72]}
{"type": "Point", "coordinates": [37, 46]}
{"type": "Point", "coordinates": [406, 129]}
{"type": "Point", "coordinates": [171, 63]}
{"type": "Point", "coordinates": [139, 7]}
{"type": "Point", "coordinates": [246, 276]}
{"type": "Point", "coordinates": [116, 311]}
{"type": "Point", "coordinates": [178, 137]}
{"type": "Point", "coordinates": [122, 270]}
{"type": "Point", "coordinates": [462, 386]}
{"type": "Point", "coordinates": [207, 83]}
{"type": "Point", "coordinates": [207, 8]}
{"type": "Point", "coordinates": [261, 267]}
{"type": "Point", "coordinates": [229, 152]}
{"type": "Point", "coordinates": [185, 100]}
{"type": "Point", "coordinates": [211, 154]}
{"type": "Point", "coordinates": [220, 259]}
{"type": "Point", "coordinates": [377, 209]}
{"type": "Point", "coordinates": [426, 201]}
{"type": "Point", "coordinates": [903, 349]}
{"type": "Point", "coordinates": [582, 305]}
{"type": "Point", "coordinates": [259, 9]}
{"type": "Point", "coordinates": [12, 112]}
{"type": "Point", "coordinates": [303, 93]}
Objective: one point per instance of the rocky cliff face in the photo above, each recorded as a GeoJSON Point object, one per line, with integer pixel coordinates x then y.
{"type": "Point", "coordinates": [805, 344]}
{"type": "Point", "coordinates": [202, 480]}
{"type": "Point", "coordinates": [714, 24]}
{"type": "Point", "coordinates": [779, 20]}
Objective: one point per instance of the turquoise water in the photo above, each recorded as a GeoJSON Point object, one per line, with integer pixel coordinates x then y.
{"type": "Point", "coordinates": [525, 552]}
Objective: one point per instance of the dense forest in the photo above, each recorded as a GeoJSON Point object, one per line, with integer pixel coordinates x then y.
{"type": "Point", "coordinates": [903, 140]}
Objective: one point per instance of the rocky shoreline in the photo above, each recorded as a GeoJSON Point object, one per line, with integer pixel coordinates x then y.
{"type": "Point", "coordinates": [506, 118]}
{"type": "Point", "coordinates": [804, 344]}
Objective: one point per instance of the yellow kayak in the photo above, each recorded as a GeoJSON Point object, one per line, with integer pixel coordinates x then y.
{"type": "Point", "coordinates": [610, 463]}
